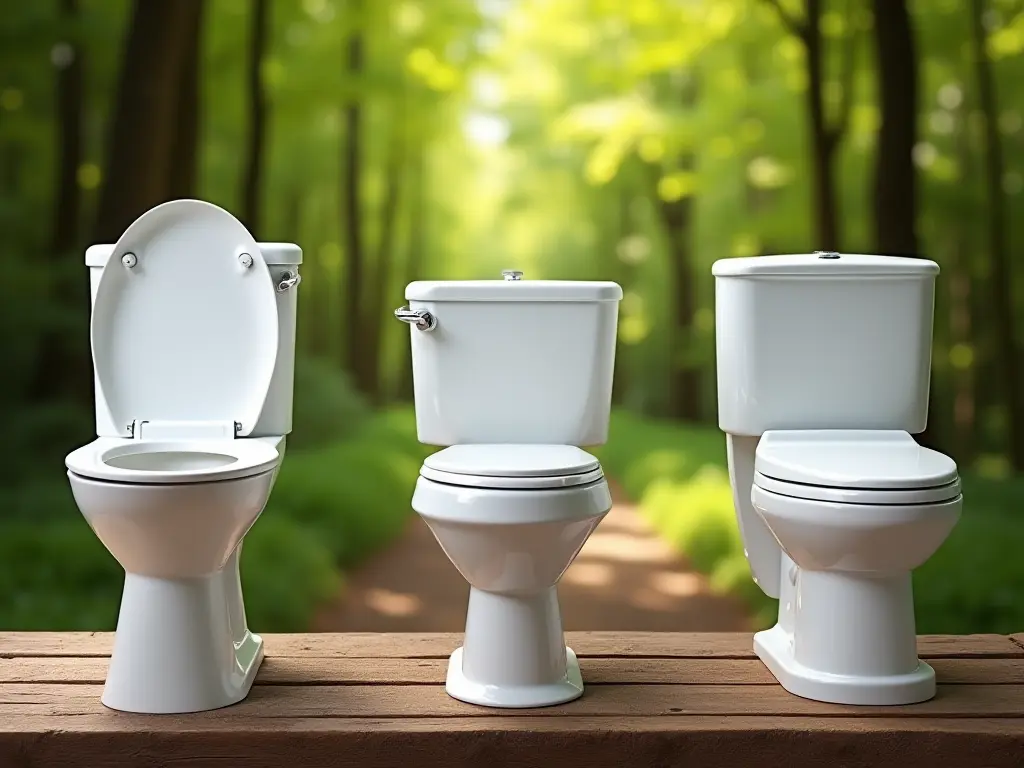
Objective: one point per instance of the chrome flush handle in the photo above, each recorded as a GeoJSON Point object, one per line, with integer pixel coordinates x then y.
{"type": "Point", "coordinates": [289, 280]}
{"type": "Point", "coordinates": [420, 318]}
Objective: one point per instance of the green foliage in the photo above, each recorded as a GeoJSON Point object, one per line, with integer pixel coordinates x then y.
{"type": "Point", "coordinates": [326, 406]}
{"type": "Point", "coordinates": [974, 583]}
{"type": "Point", "coordinates": [332, 505]}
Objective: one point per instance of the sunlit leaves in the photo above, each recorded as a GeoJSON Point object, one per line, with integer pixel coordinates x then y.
{"type": "Point", "coordinates": [767, 173]}
{"type": "Point", "coordinates": [430, 69]}
{"type": "Point", "coordinates": [677, 185]}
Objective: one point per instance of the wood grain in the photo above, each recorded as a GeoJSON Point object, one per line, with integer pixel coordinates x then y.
{"type": "Point", "coordinates": [440, 645]}
{"type": "Point", "coordinates": [378, 700]}
{"type": "Point", "coordinates": [290, 670]}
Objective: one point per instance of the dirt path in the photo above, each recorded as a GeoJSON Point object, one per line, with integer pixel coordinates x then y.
{"type": "Point", "coordinates": [626, 578]}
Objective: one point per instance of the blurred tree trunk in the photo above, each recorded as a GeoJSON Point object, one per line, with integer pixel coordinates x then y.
{"type": "Point", "coordinates": [69, 139]}
{"type": "Point", "coordinates": [962, 309]}
{"type": "Point", "coordinates": [144, 124]}
{"type": "Point", "coordinates": [377, 313]}
{"type": "Point", "coordinates": [894, 194]}
{"type": "Point", "coordinates": [684, 401]}
{"type": "Point", "coordinates": [622, 271]}
{"type": "Point", "coordinates": [185, 149]}
{"type": "Point", "coordinates": [825, 137]}
{"type": "Point", "coordinates": [415, 253]}
{"type": "Point", "coordinates": [252, 179]}
{"type": "Point", "coordinates": [895, 188]}
{"type": "Point", "coordinates": [1003, 320]}
{"type": "Point", "coordinates": [63, 366]}
{"type": "Point", "coordinates": [351, 213]}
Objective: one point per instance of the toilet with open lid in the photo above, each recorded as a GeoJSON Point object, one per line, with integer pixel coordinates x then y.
{"type": "Point", "coordinates": [823, 379]}
{"type": "Point", "coordinates": [511, 377]}
{"type": "Point", "coordinates": [193, 332]}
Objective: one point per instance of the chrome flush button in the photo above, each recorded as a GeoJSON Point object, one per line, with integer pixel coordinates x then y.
{"type": "Point", "coordinates": [512, 274]}
{"type": "Point", "coordinates": [827, 254]}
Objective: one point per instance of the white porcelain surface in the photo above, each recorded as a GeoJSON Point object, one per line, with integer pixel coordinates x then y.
{"type": "Point", "coordinates": [514, 361]}
{"type": "Point", "coordinates": [126, 460]}
{"type": "Point", "coordinates": [823, 347]}
{"type": "Point", "coordinates": [823, 375]}
{"type": "Point", "coordinates": [194, 358]}
{"type": "Point", "coordinates": [512, 546]}
{"type": "Point", "coordinates": [511, 466]}
{"type": "Point", "coordinates": [852, 458]}
{"type": "Point", "coordinates": [188, 334]}
{"type": "Point", "coordinates": [182, 644]}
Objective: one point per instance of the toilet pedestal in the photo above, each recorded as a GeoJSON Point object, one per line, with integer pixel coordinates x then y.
{"type": "Point", "coordinates": [514, 653]}
{"type": "Point", "coordinates": [182, 645]}
{"type": "Point", "coordinates": [846, 638]}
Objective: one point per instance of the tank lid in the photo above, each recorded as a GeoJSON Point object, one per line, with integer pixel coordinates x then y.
{"type": "Point", "coordinates": [824, 264]}
{"type": "Point", "coordinates": [512, 290]}
{"type": "Point", "coordinates": [273, 254]}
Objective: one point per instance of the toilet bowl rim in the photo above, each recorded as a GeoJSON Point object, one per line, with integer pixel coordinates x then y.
{"type": "Point", "coordinates": [859, 496]}
{"type": "Point", "coordinates": [247, 457]}
{"type": "Point", "coordinates": [857, 515]}
{"type": "Point", "coordinates": [433, 500]}
{"type": "Point", "coordinates": [520, 484]}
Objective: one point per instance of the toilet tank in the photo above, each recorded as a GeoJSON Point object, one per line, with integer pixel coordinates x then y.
{"type": "Point", "coordinates": [276, 417]}
{"type": "Point", "coordinates": [823, 341]}
{"type": "Point", "coordinates": [514, 361]}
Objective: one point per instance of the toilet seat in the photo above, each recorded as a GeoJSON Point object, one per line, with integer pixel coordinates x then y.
{"type": "Point", "coordinates": [185, 325]}
{"type": "Point", "coordinates": [883, 467]}
{"type": "Point", "coordinates": [512, 466]}
{"type": "Point", "coordinates": [158, 462]}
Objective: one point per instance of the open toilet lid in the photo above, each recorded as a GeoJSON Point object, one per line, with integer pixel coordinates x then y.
{"type": "Point", "coordinates": [512, 466]}
{"type": "Point", "coordinates": [189, 333]}
{"type": "Point", "coordinates": [852, 459]}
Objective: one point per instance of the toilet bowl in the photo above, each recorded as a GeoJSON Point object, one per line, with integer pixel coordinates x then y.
{"type": "Point", "coordinates": [512, 518]}
{"type": "Point", "coordinates": [854, 511]}
{"type": "Point", "coordinates": [824, 366]}
{"type": "Point", "coordinates": [193, 341]}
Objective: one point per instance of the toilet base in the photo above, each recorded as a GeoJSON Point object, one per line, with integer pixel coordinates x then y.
{"type": "Point", "coordinates": [462, 688]}
{"type": "Point", "coordinates": [775, 648]}
{"type": "Point", "coordinates": [175, 649]}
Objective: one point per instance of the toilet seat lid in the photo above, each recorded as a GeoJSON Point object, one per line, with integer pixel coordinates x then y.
{"type": "Point", "coordinates": [188, 333]}
{"type": "Point", "coordinates": [889, 460]}
{"type": "Point", "coordinates": [512, 466]}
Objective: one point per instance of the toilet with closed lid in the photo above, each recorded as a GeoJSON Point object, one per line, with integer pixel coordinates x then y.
{"type": "Point", "coordinates": [193, 333]}
{"type": "Point", "coordinates": [823, 375]}
{"type": "Point", "coordinates": [511, 376]}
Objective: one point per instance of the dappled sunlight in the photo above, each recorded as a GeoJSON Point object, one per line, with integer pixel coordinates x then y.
{"type": "Point", "coordinates": [392, 603]}
{"type": "Point", "coordinates": [625, 548]}
{"type": "Point", "coordinates": [677, 583]}
{"type": "Point", "coordinates": [584, 574]}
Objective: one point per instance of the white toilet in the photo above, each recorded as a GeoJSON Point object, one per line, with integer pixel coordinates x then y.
{"type": "Point", "coordinates": [823, 371]}
{"type": "Point", "coordinates": [193, 341]}
{"type": "Point", "coordinates": [512, 374]}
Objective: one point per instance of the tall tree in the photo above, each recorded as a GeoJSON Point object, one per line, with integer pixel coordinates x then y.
{"type": "Point", "coordinates": [895, 190]}
{"type": "Point", "coordinates": [67, 58]}
{"type": "Point", "coordinates": [677, 220]}
{"type": "Point", "coordinates": [1003, 319]}
{"type": "Point", "coordinates": [376, 312]}
{"type": "Point", "coordinates": [144, 126]}
{"type": "Point", "coordinates": [351, 202]}
{"type": "Point", "coordinates": [252, 180]}
{"type": "Point", "coordinates": [825, 134]}
{"type": "Point", "coordinates": [417, 246]}
{"type": "Point", "coordinates": [185, 147]}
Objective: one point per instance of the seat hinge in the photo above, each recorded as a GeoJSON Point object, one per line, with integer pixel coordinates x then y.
{"type": "Point", "coordinates": [184, 430]}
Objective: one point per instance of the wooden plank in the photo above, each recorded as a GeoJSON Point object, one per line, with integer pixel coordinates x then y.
{"type": "Point", "coordinates": [515, 742]}
{"type": "Point", "coordinates": [385, 701]}
{"type": "Point", "coordinates": [440, 645]}
{"type": "Point", "coordinates": [290, 670]}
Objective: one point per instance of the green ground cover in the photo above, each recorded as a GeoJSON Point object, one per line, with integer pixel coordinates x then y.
{"type": "Point", "coordinates": [677, 473]}
{"type": "Point", "coordinates": [342, 493]}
